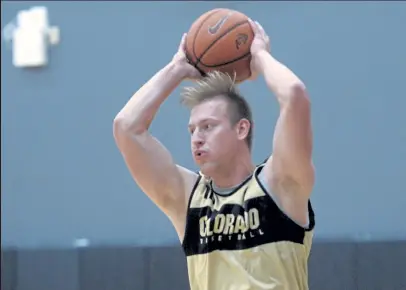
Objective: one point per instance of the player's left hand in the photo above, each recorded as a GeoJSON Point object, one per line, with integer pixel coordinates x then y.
{"type": "Point", "coordinates": [259, 45]}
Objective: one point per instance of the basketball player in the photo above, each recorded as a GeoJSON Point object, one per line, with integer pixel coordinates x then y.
{"type": "Point", "coordinates": [241, 226]}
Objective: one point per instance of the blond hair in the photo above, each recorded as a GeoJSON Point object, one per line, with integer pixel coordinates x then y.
{"type": "Point", "coordinates": [214, 85]}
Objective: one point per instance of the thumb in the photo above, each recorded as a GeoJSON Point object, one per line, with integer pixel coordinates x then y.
{"type": "Point", "coordinates": [253, 26]}
{"type": "Point", "coordinates": [182, 42]}
{"type": "Point", "coordinates": [194, 73]}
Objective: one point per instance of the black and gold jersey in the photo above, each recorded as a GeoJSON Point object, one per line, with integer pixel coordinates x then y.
{"type": "Point", "coordinates": [242, 240]}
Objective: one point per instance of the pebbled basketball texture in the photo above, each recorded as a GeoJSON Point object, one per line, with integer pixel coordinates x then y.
{"type": "Point", "coordinates": [221, 39]}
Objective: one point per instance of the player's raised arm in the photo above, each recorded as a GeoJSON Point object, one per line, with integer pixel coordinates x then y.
{"type": "Point", "coordinates": [290, 169]}
{"type": "Point", "coordinates": [149, 162]}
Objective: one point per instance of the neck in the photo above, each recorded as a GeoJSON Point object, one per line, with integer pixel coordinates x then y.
{"type": "Point", "coordinates": [234, 172]}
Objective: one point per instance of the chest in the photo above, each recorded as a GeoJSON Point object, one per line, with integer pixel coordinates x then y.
{"type": "Point", "coordinates": [237, 221]}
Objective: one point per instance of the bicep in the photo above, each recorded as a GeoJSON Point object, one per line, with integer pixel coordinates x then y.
{"type": "Point", "coordinates": [292, 145]}
{"type": "Point", "coordinates": [292, 140]}
{"type": "Point", "coordinates": [153, 169]}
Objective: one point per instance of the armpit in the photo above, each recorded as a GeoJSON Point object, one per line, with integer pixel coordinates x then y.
{"type": "Point", "coordinates": [283, 186]}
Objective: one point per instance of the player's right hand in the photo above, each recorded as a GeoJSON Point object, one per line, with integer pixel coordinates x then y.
{"type": "Point", "coordinates": [180, 59]}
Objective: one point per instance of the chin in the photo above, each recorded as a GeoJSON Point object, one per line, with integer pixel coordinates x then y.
{"type": "Point", "coordinates": [208, 168]}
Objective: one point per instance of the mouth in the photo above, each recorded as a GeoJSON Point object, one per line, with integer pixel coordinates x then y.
{"type": "Point", "coordinates": [199, 153]}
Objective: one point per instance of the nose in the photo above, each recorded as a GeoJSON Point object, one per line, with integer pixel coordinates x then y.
{"type": "Point", "coordinates": [197, 140]}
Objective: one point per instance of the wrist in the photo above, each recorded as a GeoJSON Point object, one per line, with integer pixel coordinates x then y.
{"type": "Point", "coordinates": [259, 60]}
{"type": "Point", "coordinates": [176, 70]}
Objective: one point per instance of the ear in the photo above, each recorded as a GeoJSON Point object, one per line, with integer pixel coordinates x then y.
{"type": "Point", "coordinates": [243, 128]}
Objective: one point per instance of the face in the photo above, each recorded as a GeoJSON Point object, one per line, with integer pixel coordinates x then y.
{"type": "Point", "coordinates": [213, 138]}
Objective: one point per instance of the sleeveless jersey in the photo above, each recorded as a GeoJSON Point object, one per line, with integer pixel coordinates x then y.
{"type": "Point", "coordinates": [243, 241]}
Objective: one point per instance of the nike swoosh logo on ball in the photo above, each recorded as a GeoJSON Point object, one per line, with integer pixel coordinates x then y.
{"type": "Point", "coordinates": [213, 29]}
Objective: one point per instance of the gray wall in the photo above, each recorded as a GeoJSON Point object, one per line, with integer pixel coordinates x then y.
{"type": "Point", "coordinates": [332, 266]}
{"type": "Point", "coordinates": [63, 178]}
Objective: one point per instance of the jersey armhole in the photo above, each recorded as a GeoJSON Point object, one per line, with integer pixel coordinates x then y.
{"type": "Point", "coordinates": [260, 178]}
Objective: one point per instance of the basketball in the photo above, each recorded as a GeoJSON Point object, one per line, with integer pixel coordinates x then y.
{"type": "Point", "coordinates": [220, 40]}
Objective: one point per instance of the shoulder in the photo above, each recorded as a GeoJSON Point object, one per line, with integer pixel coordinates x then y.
{"type": "Point", "coordinates": [188, 175]}
{"type": "Point", "coordinates": [178, 212]}
{"type": "Point", "coordinates": [283, 183]}
{"type": "Point", "coordinates": [190, 180]}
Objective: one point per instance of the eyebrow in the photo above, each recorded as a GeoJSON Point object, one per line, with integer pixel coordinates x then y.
{"type": "Point", "coordinates": [202, 121]}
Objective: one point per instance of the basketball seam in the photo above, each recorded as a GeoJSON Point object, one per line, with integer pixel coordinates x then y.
{"type": "Point", "coordinates": [216, 40]}
{"type": "Point", "coordinates": [228, 62]}
{"type": "Point", "coordinates": [197, 33]}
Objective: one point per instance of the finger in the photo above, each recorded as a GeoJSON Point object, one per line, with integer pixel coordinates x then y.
{"type": "Point", "coordinates": [260, 28]}
{"type": "Point", "coordinates": [182, 42]}
{"type": "Point", "coordinates": [253, 26]}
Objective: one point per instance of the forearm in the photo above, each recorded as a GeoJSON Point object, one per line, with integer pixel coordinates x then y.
{"type": "Point", "coordinates": [137, 115]}
{"type": "Point", "coordinates": [279, 78]}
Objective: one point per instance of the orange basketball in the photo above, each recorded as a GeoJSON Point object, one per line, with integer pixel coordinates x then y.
{"type": "Point", "coordinates": [220, 40]}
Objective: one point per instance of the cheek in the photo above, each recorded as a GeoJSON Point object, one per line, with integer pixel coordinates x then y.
{"type": "Point", "coordinates": [223, 139]}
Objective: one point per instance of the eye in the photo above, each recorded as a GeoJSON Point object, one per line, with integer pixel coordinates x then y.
{"type": "Point", "coordinates": [207, 126]}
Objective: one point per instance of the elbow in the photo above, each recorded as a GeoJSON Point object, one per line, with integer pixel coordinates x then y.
{"type": "Point", "coordinates": [297, 96]}
{"type": "Point", "coordinates": [298, 92]}
{"type": "Point", "coordinates": [120, 123]}
{"type": "Point", "coordinates": [119, 128]}
{"type": "Point", "coordinates": [123, 128]}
